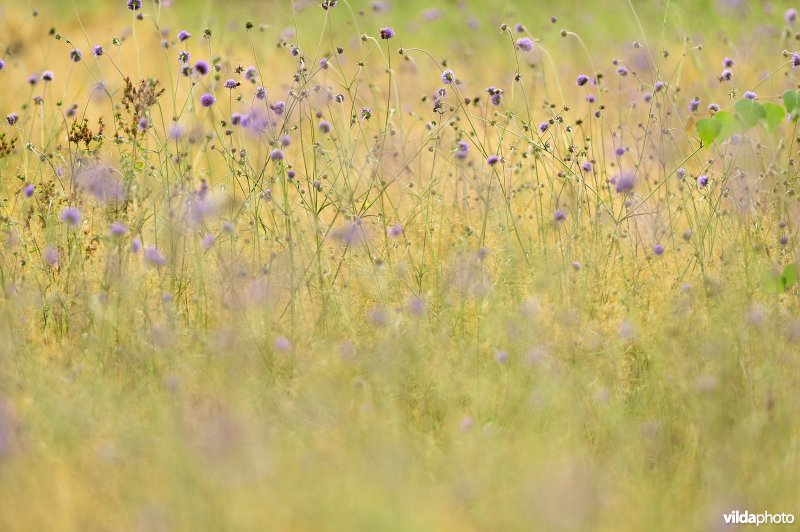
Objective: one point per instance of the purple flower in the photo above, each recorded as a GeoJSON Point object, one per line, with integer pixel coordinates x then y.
{"type": "Point", "coordinates": [183, 35]}
{"type": "Point", "coordinates": [70, 216]}
{"type": "Point", "coordinates": [208, 241]}
{"type": "Point", "coordinates": [727, 62]}
{"type": "Point", "coordinates": [324, 127]}
{"type": "Point", "coordinates": [261, 93]}
{"type": "Point", "coordinates": [559, 215]}
{"type": "Point", "coordinates": [790, 16]}
{"type": "Point", "coordinates": [48, 75]}
{"type": "Point", "coordinates": [750, 95]}
{"type": "Point", "coordinates": [659, 86]}
{"type": "Point", "coordinates": [278, 108]}
{"type": "Point", "coordinates": [681, 173]}
{"type": "Point", "coordinates": [231, 84]}
{"type": "Point", "coordinates": [33, 79]}
{"type": "Point", "coordinates": [12, 118]}
{"type": "Point", "coordinates": [395, 231]}
{"type": "Point", "coordinates": [712, 107]}
{"type": "Point", "coordinates": [587, 166]}
{"type": "Point", "coordinates": [136, 245]}
{"type": "Point", "coordinates": [462, 150]}
{"type": "Point", "coordinates": [134, 5]}
{"type": "Point", "coordinates": [493, 160]}
{"type": "Point", "coordinates": [525, 44]}
{"type": "Point", "coordinates": [184, 56]}
{"type": "Point", "coordinates": [143, 124]}
{"type": "Point", "coordinates": [448, 77]}
{"type": "Point", "coordinates": [75, 55]}
{"type": "Point", "coordinates": [251, 74]}
{"type": "Point", "coordinates": [283, 344]}
{"type": "Point", "coordinates": [501, 357]}
{"type": "Point", "coordinates": [658, 249]}
{"type": "Point", "coordinates": [624, 182]}
{"type": "Point", "coordinates": [582, 80]}
{"type": "Point", "coordinates": [28, 190]}
{"type": "Point", "coordinates": [154, 256]}
{"type": "Point", "coordinates": [619, 152]}
{"type": "Point", "coordinates": [543, 126]}
{"type": "Point", "coordinates": [202, 67]}
{"type": "Point", "coordinates": [2, 64]}
{"type": "Point", "coordinates": [207, 100]}
{"type": "Point", "coordinates": [50, 256]}
{"type": "Point", "coordinates": [236, 119]}
{"type": "Point", "coordinates": [795, 60]}
{"type": "Point", "coordinates": [694, 104]}
{"type": "Point", "coordinates": [702, 181]}
{"type": "Point", "coordinates": [622, 70]}
{"type": "Point", "coordinates": [386, 33]}
{"type": "Point", "coordinates": [276, 155]}
{"type": "Point", "coordinates": [495, 95]}
{"type": "Point", "coordinates": [726, 75]}
{"type": "Point", "coordinates": [97, 50]}
{"type": "Point", "coordinates": [118, 229]}
{"type": "Point", "coordinates": [101, 183]}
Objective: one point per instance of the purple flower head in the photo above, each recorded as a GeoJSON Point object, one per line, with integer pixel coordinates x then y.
{"type": "Point", "coordinates": [236, 119]}
{"type": "Point", "coordinates": [448, 77]}
{"type": "Point", "coordinates": [276, 155]}
{"type": "Point", "coordinates": [47, 75]}
{"type": "Point", "coordinates": [648, 97]}
{"type": "Point", "coordinates": [202, 67]}
{"type": "Point", "coordinates": [184, 56]}
{"type": "Point", "coordinates": [582, 80]}
{"type": "Point", "coordinates": [501, 357]}
{"type": "Point", "coordinates": [714, 108]}
{"type": "Point", "coordinates": [462, 149]}
{"type": "Point", "coordinates": [176, 131]}
{"type": "Point", "coordinates": [324, 127]}
{"type": "Point", "coordinates": [395, 231]}
{"type": "Point", "coordinates": [681, 173]}
{"type": "Point", "coordinates": [519, 28]}
{"type": "Point", "coordinates": [75, 55]}
{"type": "Point", "coordinates": [587, 166]}
{"type": "Point", "coordinates": [622, 70]}
{"type": "Point", "coordinates": [790, 16]}
{"type": "Point", "coordinates": [702, 181]}
{"type": "Point", "coordinates": [97, 50]}
{"type": "Point", "coordinates": [70, 216]}
{"type": "Point", "coordinates": [795, 60]}
{"type": "Point", "coordinates": [283, 344]}
{"type": "Point", "coordinates": [543, 126]}
{"type": "Point", "coordinates": [493, 160]}
{"type": "Point", "coordinates": [101, 183]}
{"type": "Point", "coordinates": [694, 104]}
{"type": "Point", "coordinates": [261, 93]}
{"type": "Point", "coordinates": [590, 98]}
{"type": "Point", "coordinates": [750, 95]}
{"type": "Point", "coordinates": [251, 74]}
{"type": "Point", "coordinates": [136, 245]}
{"type": "Point", "coordinates": [658, 249]}
{"type": "Point", "coordinates": [134, 5]}
{"type": "Point", "coordinates": [28, 190]}
{"type": "Point", "coordinates": [183, 35]}
{"type": "Point", "coordinates": [207, 100]}
{"type": "Point", "coordinates": [619, 152]}
{"type": "Point", "coordinates": [12, 118]}
{"type": "Point", "coordinates": [231, 84]}
{"type": "Point", "coordinates": [143, 124]}
{"type": "Point", "coordinates": [286, 140]}
{"type": "Point", "coordinates": [33, 79]}
{"type": "Point", "coordinates": [278, 108]}
{"type": "Point", "coordinates": [624, 181]}
{"type": "Point", "coordinates": [726, 75]}
{"type": "Point", "coordinates": [2, 64]}
{"type": "Point", "coordinates": [659, 86]}
{"type": "Point", "coordinates": [525, 44]}
{"type": "Point", "coordinates": [495, 95]}
{"type": "Point", "coordinates": [559, 215]}
{"type": "Point", "coordinates": [386, 33]}
{"type": "Point", "coordinates": [118, 229]}
{"type": "Point", "coordinates": [727, 62]}
{"type": "Point", "coordinates": [208, 241]}
{"type": "Point", "coordinates": [153, 256]}
{"type": "Point", "coordinates": [50, 256]}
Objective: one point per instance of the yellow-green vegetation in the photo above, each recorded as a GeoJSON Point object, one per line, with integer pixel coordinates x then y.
{"type": "Point", "coordinates": [398, 265]}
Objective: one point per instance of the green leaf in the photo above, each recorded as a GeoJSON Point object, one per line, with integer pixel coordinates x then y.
{"type": "Point", "coordinates": [708, 129]}
{"type": "Point", "coordinates": [775, 114]}
{"type": "Point", "coordinates": [789, 277]}
{"type": "Point", "coordinates": [791, 99]}
{"type": "Point", "coordinates": [730, 125]}
{"type": "Point", "coordinates": [749, 112]}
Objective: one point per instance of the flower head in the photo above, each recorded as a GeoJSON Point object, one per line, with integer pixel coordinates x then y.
{"type": "Point", "coordinates": [202, 67]}
{"type": "Point", "coordinates": [525, 44]}
{"type": "Point", "coordinates": [97, 50]}
{"type": "Point", "coordinates": [70, 216]}
{"type": "Point", "coordinates": [582, 80]}
{"type": "Point", "coordinates": [448, 77]}
{"type": "Point", "coordinates": [207, 100]}
{"type": "Point", "coordinates": [134, 5]}
{"type": "Point", "coordinates": [153, 256]}
{"type": "Point", "coordinates": [75, 55]}
{"type": "Point", "coordinates": [183, 35]}
{"type": "Point", "coordinates": [386, 33]}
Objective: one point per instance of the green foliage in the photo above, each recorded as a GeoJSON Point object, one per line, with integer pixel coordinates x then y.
{"type": "Point", "coordinates": [774, 283]}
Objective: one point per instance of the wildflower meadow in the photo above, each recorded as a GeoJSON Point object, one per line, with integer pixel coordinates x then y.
{"type": "Point", "coordinates": [399, 265]}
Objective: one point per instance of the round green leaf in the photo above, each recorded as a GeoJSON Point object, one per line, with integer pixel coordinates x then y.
{"type": "Point", "coordinates": [749, 112]}
{"type": "Point", "coordinates": [708, 129]}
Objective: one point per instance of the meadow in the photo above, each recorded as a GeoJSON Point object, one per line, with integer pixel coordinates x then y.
{"type": "Point", "coordinates": [398, 265]}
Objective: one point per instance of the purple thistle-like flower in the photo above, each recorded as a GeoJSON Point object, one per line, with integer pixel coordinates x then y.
{"type": "Point", "coordinates": [559, 215]}
{"type": "Point", "coordinates": [101, 183]}
{"type": "Point", "coordinates": [622, 70]}
{"type": "Point", "coordinates": [448, 77]}
{"type": "Point", "coordinates": [208, 241]}
{"type": "Point", "coordinates": [587, 166]}
{"type": "Point", "coordinates": [75, 55]}
{"type": "Point", "coordinates": [202, 67]}
{"type": "Point", "coordinates": [47, 75]}
{"type": "Point", "coordinates": [386, 33]}
{"type": "Point", "coordinates": [543, 126]}
{"type": "Point", "coordinates": [28, 190]}
{"type": "Point", "coordinates": [395, 231]}
{"type": "Point", "coordinates": [493, 160]}
{"type": "Point", "coordinates": [12, 118]}
{"type": "Point", "coordinates": [2, 64]}
{"type": "Point", "coordinates": [276, 155]}
{"type": "Point", "coordinates": [184, 56]}
{"type": "Point", "coordinates": [236, 119]}
{"type": "Point", "coordinates": [154, 256]}
{"type": "Point", "coordinates": [624, 182]}
{"type": "Point", "coordinates": [143, 124]}
{"type": "Point", "coordinates": [795, 60]}
{"type": "Point", "coordinates": [251, 74]}
{"type": "Point", "coordinates": [702, 181]}
{"type": "Point", "coordinates": [727, 62]}
{"type": "Point", "coordinates": [726, 75]}
{"type": "Point", "coordinates": [97, 50]}
{"type": "Point", "coordinates": [283, 344]}
{"type": "Point", "coordinates": [750, 95]}
{"type": "Point", "coordinates": [658, 249]}
{"type": "Point", "coordinates": [619, 152]}
{"type": "Point", "coordinates": [183, 35]}
{"type": "Point", "coordinates": [50, 256]}
{"type": "Point", "coordinates": [714, 108]}
{"type": "Point", "coordinates": [118, 229]}
{"type": "Point", "coordinates": [136, 245]}
{"type": "Point", "coordinates": [231, 84]}
{"type": "Point", "coordinates": [582, 80]}
{"type": "Point", "coordinates": [207, 100]}
{"type": "Point", "coordinates": [324, 127]}
{"type": "Point", "coordinates": [694, 104]}
{"type": "Point", "coordinates": [278, 108]}
{"type": "Point", "coordinates": [134, 5]}
{"type": "Point", "coordinates": [495, 95]}
{"type": "Point", "coordinates": [525, 44]}
{"type": "Point", "coordinates": [70, 215]}
{"type": "Point", "coordinates": [790, 16]}
{"type": "Point", "coordinates": [659, 86]}
{"type": "Point", "coordinates": [462, 149]}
